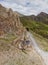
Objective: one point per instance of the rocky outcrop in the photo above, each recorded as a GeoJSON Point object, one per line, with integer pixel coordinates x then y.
{"type": "Point", "coordinates": [9, 21]}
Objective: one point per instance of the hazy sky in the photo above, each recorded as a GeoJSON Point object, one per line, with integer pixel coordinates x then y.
{"type": "Point", "coordinates": [27, 7]}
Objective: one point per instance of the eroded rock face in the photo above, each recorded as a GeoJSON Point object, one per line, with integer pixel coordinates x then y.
{"type": "Point", "coordinates": [9, 21]}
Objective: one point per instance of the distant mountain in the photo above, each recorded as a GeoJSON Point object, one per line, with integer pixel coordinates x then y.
{"type": "Point", "coordinates": [41, 17]}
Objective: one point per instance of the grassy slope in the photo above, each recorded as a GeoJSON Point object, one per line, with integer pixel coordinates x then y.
{"type": "Point", "coordinates": [40, 30]}
{"type": "Point", "coordinates": [37, 27]}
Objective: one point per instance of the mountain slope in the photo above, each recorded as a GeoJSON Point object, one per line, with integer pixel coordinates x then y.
{"type": "Point", "coordinates": [35, 24]}
{"type": "Point", "coordinates": [14, 50]}
{"type": "Point", "coordinates": [38, 28]}
{"type": "Point", "coordinates": [9, 21]}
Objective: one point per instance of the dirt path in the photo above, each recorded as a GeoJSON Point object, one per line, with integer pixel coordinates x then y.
{"type": "Point", "coordinates": [42, 53]}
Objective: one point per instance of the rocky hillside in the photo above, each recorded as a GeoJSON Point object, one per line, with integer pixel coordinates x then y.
{"type": "Point", "coordinates": [9, 21]}
{"type": "Point", "coordinates": [15, 47]}
{"type": "Point", "coordinates": [11, 29]}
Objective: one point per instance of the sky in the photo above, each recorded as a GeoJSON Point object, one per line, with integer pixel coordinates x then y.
{"type": "Point", "coordinates": [26, 7]}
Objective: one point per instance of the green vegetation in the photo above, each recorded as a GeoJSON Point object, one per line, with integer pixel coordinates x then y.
{"type": "Point", "coordinates": [37, 27]}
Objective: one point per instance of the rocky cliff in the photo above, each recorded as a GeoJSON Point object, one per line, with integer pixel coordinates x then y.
{"type": "Point", "coordinates": [9, 21]}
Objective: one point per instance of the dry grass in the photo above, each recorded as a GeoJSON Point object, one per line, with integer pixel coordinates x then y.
{"type": "Point", "coordinates": [17, 57]}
